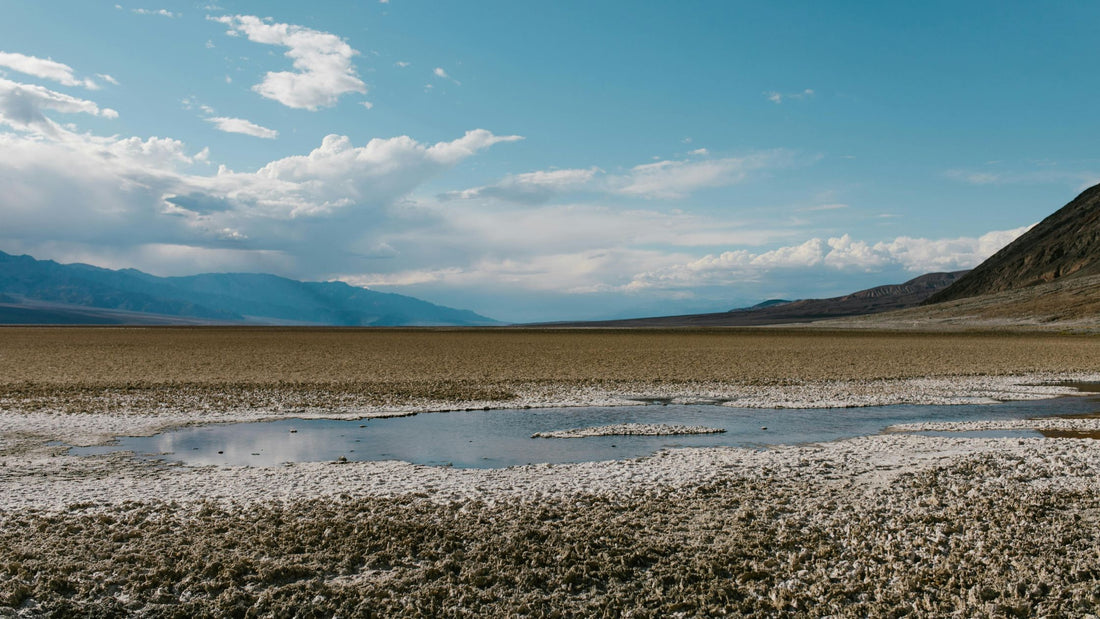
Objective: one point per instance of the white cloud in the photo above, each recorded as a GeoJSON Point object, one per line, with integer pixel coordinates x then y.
{"type": "Point", "coordinates": [111, 196]}
{"type": "Point", "coordinates": [1079, 178]}
{"type": "Point", "coordinates": [675, 179]}
{"type": "Point", "coordinates": [322, 62]}
{"type": "Point", "coordinates": [532, 187]}
{"type": "Point", "coordinates": [337, 174]}
{"type": "Point", "coordinates": [913, 255]}
{"type": "Point", "coordinates": [823, 207]}
{"type": "Point", "coordinates": [778, 97]}
{"type": "Point", "coordinates": [701, 152]}
{"type": "Point", "coordinates": [23, 107]}
{"type": "Point", "coordinates": [401, 64]}
{"type": "Point", "coordinates": [160, 12]}
{"type": "Point", "coordinates": [581, 272]}
{"type": "Point", "coordinates": [107, 78]}
{"type": "Point", "coordinates": [240, 125]}
{"type": "Point", "coordinates": [440, 73]}
{"type": "Point", "coordinates": [668, 179]}
{"type": "Point", "coordinates": [367, 104]}
{"type": "Point", "coordinates": [46, 68]}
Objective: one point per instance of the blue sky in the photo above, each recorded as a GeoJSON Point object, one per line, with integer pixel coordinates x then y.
{"type": "Point", "coordinates": [544, 161]}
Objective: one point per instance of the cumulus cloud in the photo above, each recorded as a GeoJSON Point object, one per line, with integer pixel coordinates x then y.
{"type": "Point", "coordinates": [94, 194]}
{"type": "Point", "coordinates": [322, 62]}
{"type": "Point", "coordinates": [23, 107]}
{"type": "Point", "coordinates": [47, 69]}
{"type": "Point", "coordinates": [913, 255]}
{"type": "Point", "coordinates": [240, 125]}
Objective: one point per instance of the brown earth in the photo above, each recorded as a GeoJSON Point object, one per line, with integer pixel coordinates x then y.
{"type": "Point", "coordinates": [1065, 304]}
{"type": "Point", "coordinates": [76, 368]}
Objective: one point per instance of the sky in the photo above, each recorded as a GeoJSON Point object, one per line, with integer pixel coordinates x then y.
{"type": "Point", "coordinates": [544, 161]}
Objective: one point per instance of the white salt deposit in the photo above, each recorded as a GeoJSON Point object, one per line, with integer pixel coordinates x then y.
{"type": "Point", "coordinates": [34, 475]}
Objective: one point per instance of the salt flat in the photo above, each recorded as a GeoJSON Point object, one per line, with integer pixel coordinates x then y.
{"type": "Point", "coordinates": [876, 525]}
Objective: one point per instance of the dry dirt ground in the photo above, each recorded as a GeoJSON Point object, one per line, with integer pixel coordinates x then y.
{"type": "Point", "coordinates": [78, 368]}
{"type": "Point", "coordinates": [1063, 305]}
{"type": "Point", "coordinates": [894, 525]}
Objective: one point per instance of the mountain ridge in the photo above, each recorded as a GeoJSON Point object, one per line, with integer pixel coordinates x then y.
{"type": "Point", "coordinates": [868, 301]}
{"type": "Point", "coordinates": [83, 294]}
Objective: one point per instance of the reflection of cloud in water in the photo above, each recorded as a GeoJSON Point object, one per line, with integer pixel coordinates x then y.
{"type": "Point", "coordinates": [274, 445]}
{"type": "Point", "coordinates": [478, 439]}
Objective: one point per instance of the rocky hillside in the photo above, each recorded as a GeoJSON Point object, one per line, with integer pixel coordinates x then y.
{"type": "Point", "coordinates": [1064, 245]}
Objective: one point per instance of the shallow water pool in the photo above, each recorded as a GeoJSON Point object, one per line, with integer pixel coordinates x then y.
{"type": "Point", "coordinates": [501, 438]}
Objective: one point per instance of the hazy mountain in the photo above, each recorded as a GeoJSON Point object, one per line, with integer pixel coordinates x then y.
{"type": "Point", "coordinates": [43, 291]}
{"type": "Point", "coordinates": [1064, 245]}
{"type": "Point", "coordinates": [776, 311]}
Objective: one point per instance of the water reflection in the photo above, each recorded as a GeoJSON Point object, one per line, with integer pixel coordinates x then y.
{"type": "Point", "coordinates": [492, 439]}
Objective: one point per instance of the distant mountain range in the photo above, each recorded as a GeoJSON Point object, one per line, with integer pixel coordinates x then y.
{"type": "Point", "coordinates": [1049, 276]}
{"type": "Point", "coordinates": [46, 292]}
{"type": "Point", "coordinates": [777, 311]}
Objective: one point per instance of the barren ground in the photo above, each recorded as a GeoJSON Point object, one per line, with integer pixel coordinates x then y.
{"type": "Point", "coordinates": [891, 525]}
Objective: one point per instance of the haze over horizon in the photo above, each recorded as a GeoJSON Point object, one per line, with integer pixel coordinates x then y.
{"type": "Point", "coordinates": [544, 162]}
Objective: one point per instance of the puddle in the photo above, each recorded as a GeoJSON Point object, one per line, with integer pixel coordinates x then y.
{"type": "Point", "coordinates": [1093, 434]}
{"type": "Point", "coordinates": [501, 438]}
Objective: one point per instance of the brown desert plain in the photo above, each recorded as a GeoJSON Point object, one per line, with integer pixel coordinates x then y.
{"type": "Point", "coordinates": [896, 524]}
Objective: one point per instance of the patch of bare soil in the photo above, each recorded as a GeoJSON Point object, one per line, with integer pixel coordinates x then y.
{"type": "Point", "coordinates": [1069, 305]}
{"type": "Point", "coordinates": [151, 369]}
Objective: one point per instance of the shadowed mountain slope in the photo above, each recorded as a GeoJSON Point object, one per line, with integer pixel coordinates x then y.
{"type": "Point", "coordinates": [870, 301]}
{"type": "Point", "coordinates": [1065, 244]}
{"type": "Point", "coordinates": [45, 292]}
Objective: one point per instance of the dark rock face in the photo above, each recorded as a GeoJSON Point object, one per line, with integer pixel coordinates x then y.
{"type": "Point", "coordinates": [1064, 245]}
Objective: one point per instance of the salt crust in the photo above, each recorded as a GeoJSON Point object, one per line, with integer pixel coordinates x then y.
{"type": "Point", "coordinates": [38, 476]}
{"type": "Point", "coordinates": [629, 429]}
